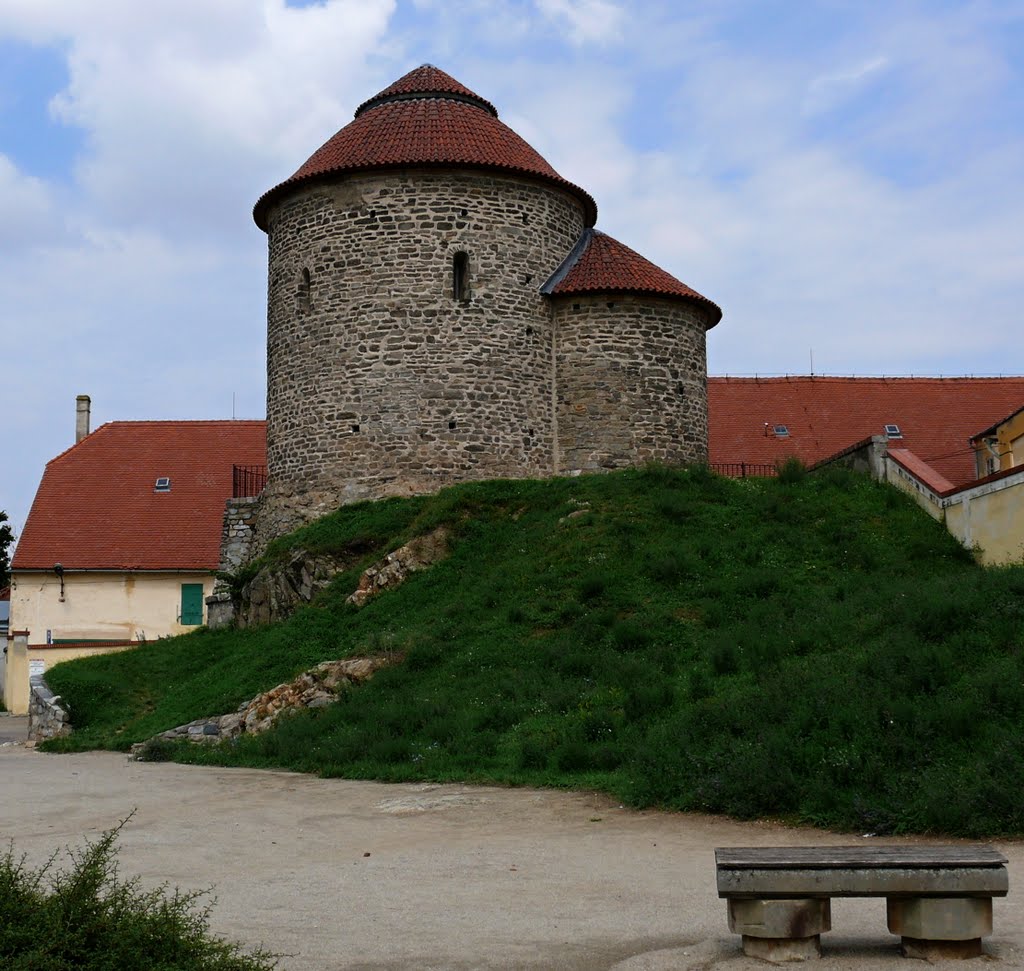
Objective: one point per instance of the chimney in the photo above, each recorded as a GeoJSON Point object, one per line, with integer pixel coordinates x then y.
{"type": "Point", "coordinates": [83, 406]}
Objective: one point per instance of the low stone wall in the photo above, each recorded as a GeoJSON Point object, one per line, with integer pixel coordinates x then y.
{"type": "Point", "coordinates": [236, 533]}
{"type": "Point", "coordinates": [46, 718]}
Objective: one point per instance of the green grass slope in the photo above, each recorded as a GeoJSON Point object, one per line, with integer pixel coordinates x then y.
{"type": "Point", "coordinates": [815, 649]}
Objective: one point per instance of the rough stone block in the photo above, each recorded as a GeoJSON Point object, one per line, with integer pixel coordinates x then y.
{"type": "Point", "coordinates": [800, 918]}
{"type": "Point", "coordinates": [940, 918]}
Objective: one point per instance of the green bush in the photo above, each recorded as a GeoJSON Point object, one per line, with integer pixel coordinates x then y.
{"type": "Point", "coordinates": [85, 918]}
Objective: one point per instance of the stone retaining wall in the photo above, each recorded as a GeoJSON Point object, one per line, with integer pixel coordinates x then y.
{"type": "Point", "coordinates": [46, 718]}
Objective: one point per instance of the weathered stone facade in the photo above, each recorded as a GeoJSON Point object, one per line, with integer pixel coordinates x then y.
{"type": "Point", "coordinates": [630, 382]}
{"type": "Point", "coordinates": [415, 338]}
{"type": "Point", "coordinates": [379, 381]}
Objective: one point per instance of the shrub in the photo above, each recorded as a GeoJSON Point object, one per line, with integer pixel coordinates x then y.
{"type": "Point", "coordinates": [85, 919]}
{"type": "Point", "coordinates": [791, 471]}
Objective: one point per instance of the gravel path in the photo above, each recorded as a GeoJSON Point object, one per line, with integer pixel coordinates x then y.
{"type": "Point", "coordinates": [359, 875]}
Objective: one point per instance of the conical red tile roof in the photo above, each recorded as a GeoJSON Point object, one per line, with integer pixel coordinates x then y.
{"type": "Point", "coordinates": [601, 264]}
{"type": "Point", "coordinates": [425, 118]}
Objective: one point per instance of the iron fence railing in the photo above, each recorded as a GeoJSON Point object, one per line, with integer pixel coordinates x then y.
{"type": "Point", "coordinates": [740, 470]}
{"type": "Point", "coordinates": [248, 480]}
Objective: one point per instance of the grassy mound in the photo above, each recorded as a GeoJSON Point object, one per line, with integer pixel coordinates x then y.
{"type": "Point", "coordinates": [85, 918]}
{"type": "Point", "coordinates": [814, 648]}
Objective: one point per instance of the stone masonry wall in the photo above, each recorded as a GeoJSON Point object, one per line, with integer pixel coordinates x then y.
{"type": "Point", "coordinates": [46, 718]}
{"type": "Point", "coordinates": [632, 382]}
{"type": "Point", "coordinates": [379, 381]}
{"type": "Point", "coordinates": [236, 533]}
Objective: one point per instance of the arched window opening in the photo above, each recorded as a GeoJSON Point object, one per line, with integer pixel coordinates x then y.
{"type": "Point", "coordinates": [305, 298]}
{"type": "Point", "coordinates": [460, 276]}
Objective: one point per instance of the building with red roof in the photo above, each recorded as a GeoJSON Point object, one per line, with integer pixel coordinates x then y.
{"type": "Point", "coordinates": [441, 308]}
{"type": "Point", "coordinates": [123, 539]}
{"type": "Point", "coordinates": [762, 421]}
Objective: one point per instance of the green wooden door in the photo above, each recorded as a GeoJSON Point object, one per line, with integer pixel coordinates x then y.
{"type": "Point", "coordinates": [191, 604]}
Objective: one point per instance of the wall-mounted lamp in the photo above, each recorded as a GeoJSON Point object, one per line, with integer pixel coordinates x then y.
{"type": "Point", "coordinates": [59, 570]}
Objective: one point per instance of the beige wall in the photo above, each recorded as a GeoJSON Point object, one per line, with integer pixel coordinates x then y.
{"type": "Point", "coordinates": [23, 659]}
{"type": "Point", "coordinates": [990, 518]}
{"type": "Point", "coordinates": [96, 606]}
{"type": "Point", "coordinates": [101, 606]}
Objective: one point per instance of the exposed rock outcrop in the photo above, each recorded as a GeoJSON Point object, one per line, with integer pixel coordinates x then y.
{"type": "Point", "coordinates": [395, 568]}
{"type": "Point", "coordinates": [277, 590]}
{"type": "Point", "coordinates": [314, 688]}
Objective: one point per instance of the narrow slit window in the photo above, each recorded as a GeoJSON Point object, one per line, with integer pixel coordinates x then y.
{"type": "Point", "coordinates": [305, 298]}
{"type": "Point", "coordinates": [460, 276]}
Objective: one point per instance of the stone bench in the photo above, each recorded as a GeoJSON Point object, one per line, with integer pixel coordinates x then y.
{"type": "Point", "coordinates": [938, 898]}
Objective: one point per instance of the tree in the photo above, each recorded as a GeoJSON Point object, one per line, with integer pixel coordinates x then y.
{"type": "Point", "coordinates": [6, 538]}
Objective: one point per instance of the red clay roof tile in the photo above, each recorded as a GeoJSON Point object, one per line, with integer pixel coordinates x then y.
{"type": "Point", "coordinates": [425, 80]}
{"type": "Point", "coordinates": [824, 415]}
{"type": "Point", "coordinates": [426, 118]}
{"type": "Point", "coordinates": [601, 264]}
{"type": "Point", "coordinates": [96, 508]}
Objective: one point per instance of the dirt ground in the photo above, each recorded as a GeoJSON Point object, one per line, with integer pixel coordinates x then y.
{"type": "Point", "coordinates": [358, 875]}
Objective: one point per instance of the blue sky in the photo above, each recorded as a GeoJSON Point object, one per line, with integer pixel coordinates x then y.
{"type": "Point", "coordinates": [846, 179]}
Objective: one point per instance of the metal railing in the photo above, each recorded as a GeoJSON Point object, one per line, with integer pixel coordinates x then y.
{"type": "Point", "coordinates": [248, 480]}
{"type": "Point", "coordinates": [741, 470]}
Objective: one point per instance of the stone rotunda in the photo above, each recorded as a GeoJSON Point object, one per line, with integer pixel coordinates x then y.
{"type": "Point", "coordinates": [440, 308]}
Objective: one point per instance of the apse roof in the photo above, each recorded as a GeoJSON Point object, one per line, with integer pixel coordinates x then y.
{"type": "Point", "coordinates": [601, 264]}
{"type": "Point", "coordinates": [425, 118]}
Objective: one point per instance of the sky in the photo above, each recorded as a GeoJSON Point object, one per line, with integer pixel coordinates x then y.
{"type": "Point", "coordinates": [845, 178]}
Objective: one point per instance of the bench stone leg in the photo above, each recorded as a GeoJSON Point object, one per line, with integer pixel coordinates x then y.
{"type": "Point", "coordinates": [781, 930]}
{"type": "Point", "coordinates": [935, 928]}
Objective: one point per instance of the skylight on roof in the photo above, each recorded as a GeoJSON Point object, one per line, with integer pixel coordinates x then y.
{"type": "Point", "coordinates": [781, 431]}
{"type": "Point", "coordinates": [163, 484]}
{"type": "Point", "coordinates": [893, 431]}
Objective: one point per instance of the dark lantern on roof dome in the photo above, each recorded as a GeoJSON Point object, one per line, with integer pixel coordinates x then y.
{"type": "Point", "coordinates": [426, 119]}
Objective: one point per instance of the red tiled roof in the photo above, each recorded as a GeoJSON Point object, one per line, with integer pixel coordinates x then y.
{"type": "Point", "coordinates": [96, 507]}
{"type": "Point", "coordinates": [922, 470]}
{"type": "Point", "coordinates": [426, 80]}
{"type": "Point", "coordinates": [426, 118]}
{"type": "Point", "coordinates": [601, 264]}
{"type": "Point", "coordinates": [824, 415]}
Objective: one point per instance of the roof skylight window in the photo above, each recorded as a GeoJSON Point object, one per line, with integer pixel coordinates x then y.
{"type": "Point", "coordinates": [781, 431]}
{"type": "Point", "coordinates": [893, 431]}
{"type": "Point", "coordinates": [163, 484]}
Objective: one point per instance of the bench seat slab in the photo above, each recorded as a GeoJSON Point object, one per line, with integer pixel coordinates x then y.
{"type": "Point", "coordinates": [767, 884]}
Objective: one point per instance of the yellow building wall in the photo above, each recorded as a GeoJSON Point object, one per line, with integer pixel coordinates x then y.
{"type": "Point", "coordinates": [1008, 446]}
{"type": "Point", "coordinates": [992, 522]}
{"type": "Point", "coordinates": [23, 661]}
{"type": "Point", "coordinates": [101, 606]}
{"type": "Point", "coordinates": [96, 606]}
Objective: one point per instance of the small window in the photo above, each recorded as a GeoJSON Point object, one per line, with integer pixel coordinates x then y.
{"type": "Point", "coordinates": [305, 291]}
{"type": "Point", "coordinates": [163, 484]}
{"type": "Point", "coordinates": [460, 276]}
{"type": "Point", "coordinates": [893, 431]}
{"type": "Point", "coordinates": [781, 431]}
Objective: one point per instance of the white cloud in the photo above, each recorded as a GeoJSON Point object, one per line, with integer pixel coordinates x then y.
{"type": "Point", "coordinates": [191, 109]}
{"type": "Point", "coordinates": [27, 211]}
{"type": "Point", "coordinates": [829, 90]}
{"type": "Point", "coordinates": [588, 21]}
